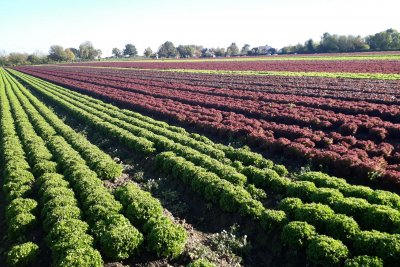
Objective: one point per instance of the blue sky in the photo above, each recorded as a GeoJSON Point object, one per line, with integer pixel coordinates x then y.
{"type": "Point", "coordinates": [30, 25]}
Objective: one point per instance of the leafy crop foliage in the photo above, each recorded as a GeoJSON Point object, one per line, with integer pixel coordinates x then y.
{"type": "Point", "coordinates": [326, 251]}
{"type": "Point", "coordinates": [364, 261]}
{"type": "Point", "coordinates": [97, 201]}
{"type": "Point", "coordinates": [165, 237]}
{"type": "Point", "coordinates": [298, 234]}
{"type": "Point", "coordinates": [22, 255]}
{"type": "Point", "coordinates": [17, 187]}
{"type": "Point", "coordinates": [201, 263]}
{"type": "Point", "coordinates": [234, 179]}
{"type": "Point", "coordinates": [161, 234]}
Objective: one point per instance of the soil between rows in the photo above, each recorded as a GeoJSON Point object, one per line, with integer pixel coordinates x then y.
{"type": "Point", "coordinates": [202, 220]}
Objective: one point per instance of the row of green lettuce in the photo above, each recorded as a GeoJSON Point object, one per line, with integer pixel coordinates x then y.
{"type": "Point", "coordinates": [163, 231]}
{"type": "Point", "coordinates": [59, 195]}
{"type": "Point", "coordinates": [238, 166]}
{"type": "Point", "coordinates": [205, 178]}
{"type": "Point", "coordinates": [17, 188]}
{"type": "Point", "coordinates": [380, 192]}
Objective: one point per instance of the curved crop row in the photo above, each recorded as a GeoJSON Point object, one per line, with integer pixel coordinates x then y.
{"type": "Point", "coordinates": [177, 134]}
{"type": "Point", "coordinates": [266, 88]}
{"type": "Point", "coordinates": [336, 225]}
{"type": "Point", "coordinates": [267, 178]}
{"type": "Point", "coordinates": [232, 198]}
{"type": "Point", "coordinates": [355, 67]}
{"type": "Point", "coordinates": [99, 161]}
{"type": "Point", "coordinates": [280, 109]}
{"type": "Point", "coordinates": [340, 153]}
{"type": "Point", "coordinates": [136, 143]}
{"type": "Point", "coordinates": [117, 238]}
{"type": "Point", "coordinates": [66, 233]}
{"type": "Point", "coordinates": [146, 213]}
{"type": "Point", "coordinates": [382, 215]}
{"type": "Point", "coordinates": [159, 235]}
{"type": "Point", "coordinates": [160, 142]}
{"type": "Point", "coordinates": [244, 156]}
{"type": "Point", "coordinates": [325, 220]}
{"type": "Point", "coordinates": [161, 138]}
{"type": "Point", "coordinates": [235, 197]}
{"type": "Point", "coordinates": [294, 88]}
{"type": "Point", "coordinates": [18, 184]}
{"type": "Point", "coordinates": [380, 197]}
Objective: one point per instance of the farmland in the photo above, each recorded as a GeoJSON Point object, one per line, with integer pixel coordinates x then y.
{"type": "Point", "coordinates": [149, 162]}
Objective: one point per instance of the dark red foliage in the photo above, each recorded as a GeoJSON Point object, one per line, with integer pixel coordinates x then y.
{"type": "Point", "coordinates": [358, 66]}
{"type": "Point", "coordinates": [353, 137]}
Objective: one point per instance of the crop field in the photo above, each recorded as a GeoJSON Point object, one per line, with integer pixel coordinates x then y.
{"type": "Point", "coordinates": [273, 161]}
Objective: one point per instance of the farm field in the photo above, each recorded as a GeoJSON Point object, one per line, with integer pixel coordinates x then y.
{"type": "Point", "coordinates": [352, 66]}
{"type": "Point", "coordinates": [349, 126]}
{"type": "Point", "coordinates": [202, 163]}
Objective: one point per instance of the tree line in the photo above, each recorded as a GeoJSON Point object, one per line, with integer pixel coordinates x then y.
{"type": "Point", "coordinates": [168, 50]}
{"type": "Point", "coordinates": [57, 53]}
{"type": "Point", "coordinates": [388, 40]}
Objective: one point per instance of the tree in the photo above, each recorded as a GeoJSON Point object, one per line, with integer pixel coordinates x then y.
{"type": "Point", "coordinates": [148, 52]}
{"type": "Point", "coordinates": [130, 50]}
{"type": "Point", "coordinates": [344, 44]}
{"type": "Point", "coordinates": [3, 60]}
{"type": "Point", "coordinates": [167, 50]}
{"type": "Point", "coordinates": [310, 46]}
{"type": "Point", "coordinates": [254, 51]}
{"type": "Point", "coordinates": [245, 49]}
{"type": "Point", "coordinates": [300, 48]}
{"type": "Point", "coordinates": [386, 40]}
{"type": "Point", "coordinates": [232, 50]}
{"type": "Point", "coordinates": [75, 51]}
{"type": "Point", "coordinates": [69, 55]}
{"type": "Point", "coordinates": [17, 58]}
{"type": "Point", "coordinates": [88, 52]}
{"type": "Point", "coordinates": [116, 52]}
{"type": "Point", "coordinates": [37, 57]}
{"type": "Point", "coordinates": [329, 43]}
{"type": "Point", "coordinates": [219, 52]}
{"type": "Point", "coordinates": [360, 44]}
{"type": "Point", "coordinates": [186, 51]}
{"type": "Point", "coordinates": [272, 50]}
{"type": "Point", "coordinates": [57, 53]}
{"type": "Point", "coordinates": [3, 57]}
{"type": "Point", "coordinates": [34, 59]}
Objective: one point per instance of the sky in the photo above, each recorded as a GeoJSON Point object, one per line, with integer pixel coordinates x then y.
{"type": "Point", "coordinates": [35, 25]}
